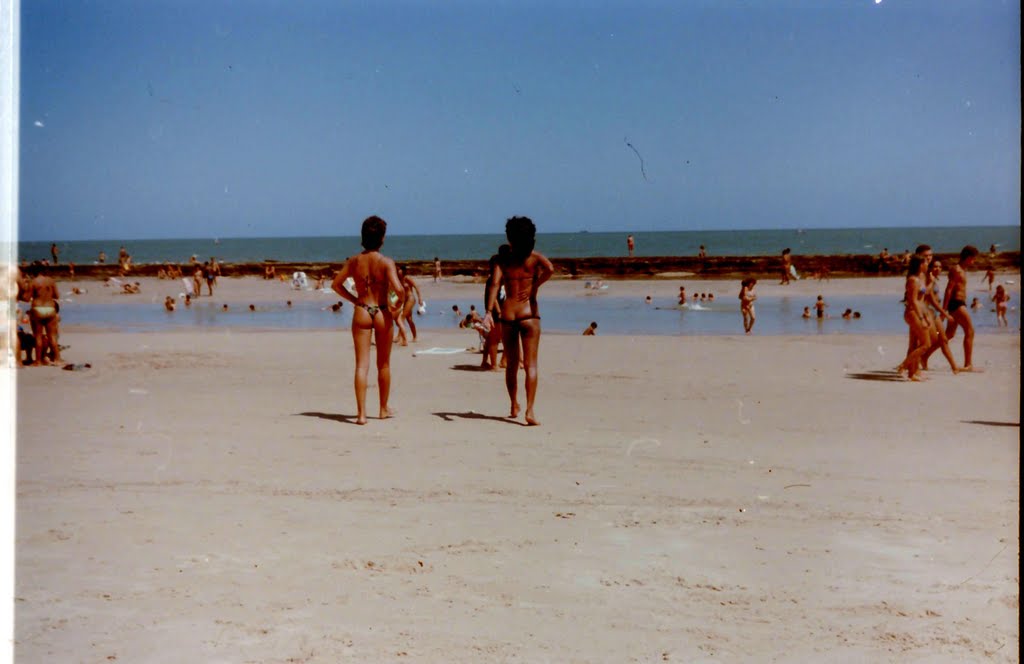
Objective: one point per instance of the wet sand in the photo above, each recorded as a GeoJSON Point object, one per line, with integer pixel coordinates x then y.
{"type": "Point", "coordinates": [205, 496]}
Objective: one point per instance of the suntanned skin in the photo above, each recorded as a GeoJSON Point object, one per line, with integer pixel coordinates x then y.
{"type": "Point", "coordinates": [405, 314]}
{"type": "Point", "coordinates": [374, 275]}
{"type": "Point", "coordinates": [956, 289]}
{"type": "Point", "coordinates": [919, 328]}
{"type": "Point", "coordinates": [521, 279]}
{"type": "Point", "coordinates": [43, 292]}
{"type": "Point", "coordinates": [939, 339]}
{"type": "Point", "coordinates": [747, 298]}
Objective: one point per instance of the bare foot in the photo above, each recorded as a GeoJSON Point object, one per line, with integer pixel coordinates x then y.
{"type": "Point", "coordinates": [361, 420]}
{"type": "Point", "coordinates": [385, 413]}
{"type": "Point", "coordinates": [531, 420]}
{"type": "Point", "coordinates": [515, 410]}
{"type": "Point", "coordinates": [971, 369]}
{"type": "Point", "coordinates": [917, 378]}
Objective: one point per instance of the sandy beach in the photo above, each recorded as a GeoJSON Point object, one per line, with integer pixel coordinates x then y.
{"type": "Point", "coordinates": [205, 496]}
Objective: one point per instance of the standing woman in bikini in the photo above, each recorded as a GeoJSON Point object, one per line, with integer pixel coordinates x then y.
{"type": "Point", "coordinates": [374, 275]}
{"type": "Point", "coordinates": [916, 317]}
{"type": "Point", "coordinates": [521, 271]}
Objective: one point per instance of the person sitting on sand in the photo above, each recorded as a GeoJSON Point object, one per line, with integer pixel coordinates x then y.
{"type": "Point", "coordinates": [747, 298]}
{"type": "Point", "coordinates": [376, 278]}
{"type": "Point", "coordinates": [590, 330]}
{"type": "Point", "coordinates": [522, 272]}
{"type": "Point", "coordinates": [161, 274]}
{"type": "Point", "coordinates": [955, 302]}
{"type": "Point", "coordinates": [169, 303]}
{"type": "Point", "coordinates": [1001, 298]}
{"type": "Point", "coordinates": [131, 289]}
{"type": "Point", "coordinates": [807, 312]}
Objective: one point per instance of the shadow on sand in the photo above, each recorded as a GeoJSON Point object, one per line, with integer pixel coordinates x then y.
{"type": "Point", "coordinates": [469, 415]}
{"type": "Point", "coordinates": [989, 423]}
{"type": "Point", "coordinates": [470, 367]}
{"type": "Point", "coordinates": [887, 376]}
{"type": "Point", "coordinates": [335, 417]}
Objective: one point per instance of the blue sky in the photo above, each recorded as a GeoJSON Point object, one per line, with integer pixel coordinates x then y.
{"type": "Point", "coordinates": [220, 119]}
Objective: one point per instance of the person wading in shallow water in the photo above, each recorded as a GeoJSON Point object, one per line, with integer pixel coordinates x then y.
{"type": "Point", "coordinates": [521, 271]}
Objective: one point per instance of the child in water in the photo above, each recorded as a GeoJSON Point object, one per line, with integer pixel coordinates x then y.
{"type": "Point", "coordinates": [1001, 298]}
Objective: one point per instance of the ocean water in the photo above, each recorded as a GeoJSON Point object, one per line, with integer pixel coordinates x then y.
{"type": "Point", "coordinates": [555, 245]}
{"type": "Point", "coordinates": [779, 315]}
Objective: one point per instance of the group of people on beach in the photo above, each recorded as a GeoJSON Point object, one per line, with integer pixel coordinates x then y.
{"type": "Point", "coordinates": [381, 298]}
{"type": "Point", "coordinates": [40, 344]}
{"type": "Point", "coordinates": [933, 321]}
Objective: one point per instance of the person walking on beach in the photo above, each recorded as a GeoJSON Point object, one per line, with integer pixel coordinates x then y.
{"type": "Point", "coordinates": [955, 302]}
{"type": "Point", "coordinates": [405, 314]}
{"type": "Point", "coordinates": [521, 272]}
{"type": "Point", "coordinates": [630, 245]}
{"type": "Point", "coordinates": [915, 317]}
{"type": "Point", "coordinates": [55, 252]}
{"type": "Point", "coordinates": [747, 297]}
{"type": "Point", "coordinates": [374, 275]}
{"type": "Point", "coordinates": [437, 269]}
{"type": "Point", "coordinates": [936, 315]}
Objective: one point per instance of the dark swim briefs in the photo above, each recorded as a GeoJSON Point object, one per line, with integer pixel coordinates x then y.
{"type": "Point", "coordinates": [956, 304]}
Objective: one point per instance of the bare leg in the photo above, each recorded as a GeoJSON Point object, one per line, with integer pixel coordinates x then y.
{"type": "Point", "coordinates": [38, 331]}
{"type": "Point", "coordinates": [382, 329]}
{"type": "Point", "coordinates": [400, 337]}
{"type": "Point", "coordinates": [511, 340]}
{"type": "Point", "coordinates": [963, 319]}
{"type": "Point", "coordinates": [530, 333]}
{"type": "Point", "coordinates": [361, 330]}
{"type": "Point", "coordinates": [53, 335]}
{"type": "Point", "coordinates": [407, 316]}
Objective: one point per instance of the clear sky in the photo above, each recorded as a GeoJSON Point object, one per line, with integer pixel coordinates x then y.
{"type": "Point", "coordinates": [205, 118]}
